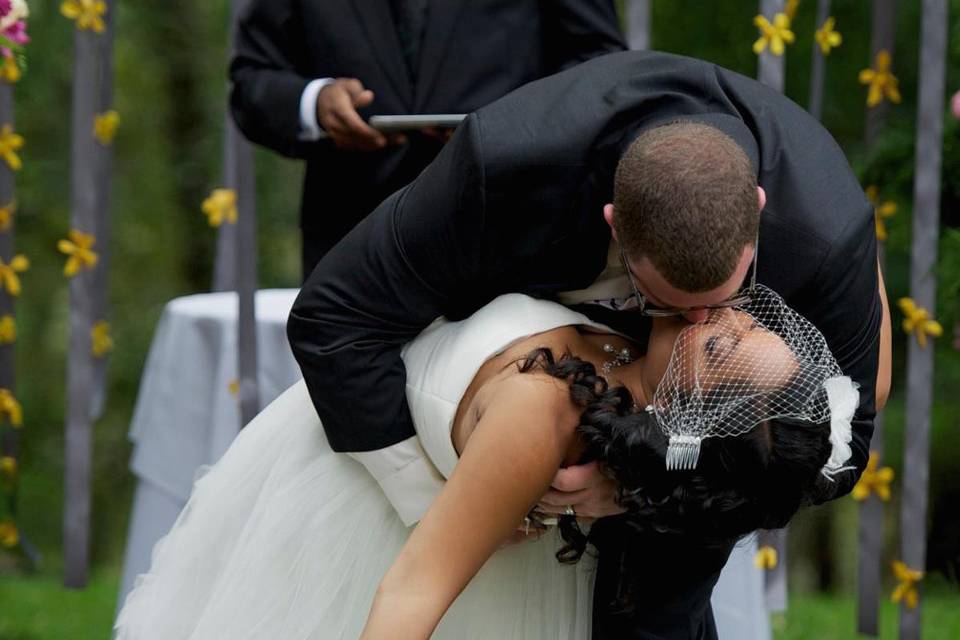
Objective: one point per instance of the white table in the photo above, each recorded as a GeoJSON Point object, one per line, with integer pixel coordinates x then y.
{"type": "Point", "coordinates": [186, 414]}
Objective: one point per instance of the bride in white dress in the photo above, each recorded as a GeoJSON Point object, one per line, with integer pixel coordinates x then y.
{"type": "Point", "coordinates": [284, 538]}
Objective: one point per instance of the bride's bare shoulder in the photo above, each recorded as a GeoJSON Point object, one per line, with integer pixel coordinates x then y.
{"type": "Point", "coordinates": [535, 391]}
{"type": "Point", "coordinates": [525, 398]}
{"type": "Point", "coordinates": [559, 341]}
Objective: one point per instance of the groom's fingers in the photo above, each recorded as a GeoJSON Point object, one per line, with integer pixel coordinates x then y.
{"type": "Point", "coordinates": [587, 504]}
{"type": "Point", "coordinates": [583, 487]}
{"type": "Point", "coordinates": [577, 477]}
{"type": "Point", "coordinates": [558, 501]}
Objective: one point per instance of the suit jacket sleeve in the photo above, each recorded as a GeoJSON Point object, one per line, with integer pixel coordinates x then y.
{"type": "Point", "coordinates": [848, 311]}
{"type": "Point", "coordinates": [577, 30]}
{"type": "Point", "coordinates": [376, 290]}
{"type": "Point", "coordinates": [268, 74]}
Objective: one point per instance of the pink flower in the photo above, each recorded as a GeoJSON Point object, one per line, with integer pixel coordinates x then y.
{"type": "Point", "coordinates": [955, 105]}
{"type": "Point", "coordinates": [17, 32]}
{"type": "Point", "coordinates": [16, 10]}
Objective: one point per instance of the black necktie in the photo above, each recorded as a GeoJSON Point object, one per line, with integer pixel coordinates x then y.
{"type": "Point", "coordinates": [411, 18]}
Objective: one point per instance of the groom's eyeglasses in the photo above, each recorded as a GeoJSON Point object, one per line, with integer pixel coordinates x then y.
{"type": "Point", "coordinates": [741, 299]}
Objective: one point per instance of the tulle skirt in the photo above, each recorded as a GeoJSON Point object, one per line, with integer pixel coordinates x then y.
{"type": "Point", "coordinates": [285, 539]}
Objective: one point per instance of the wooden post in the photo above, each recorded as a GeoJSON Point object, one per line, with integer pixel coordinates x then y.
{"type": "Point", "coordinates": [769, 66]}
{"type": "Point", "coordinates": [237, 253]}
{"type": "Point", "coordinates": [9, 438]}
{"type": "Point", "coordinates": [923, 289]}
{"type": "Point", "coordinates": [90, 185]}
{"type": "Point", "coordinates": [638, 24]}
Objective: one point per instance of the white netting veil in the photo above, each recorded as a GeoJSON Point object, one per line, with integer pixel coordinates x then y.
{"type": "Point", "coordinates": [746, 365]}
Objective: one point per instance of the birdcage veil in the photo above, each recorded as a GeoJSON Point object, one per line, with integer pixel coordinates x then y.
{"type": "Point", "coordinates": [746, 365]}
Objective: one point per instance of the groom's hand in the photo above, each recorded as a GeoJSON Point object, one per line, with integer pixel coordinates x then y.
{"type": "Point", "coordinates": [583, 487]}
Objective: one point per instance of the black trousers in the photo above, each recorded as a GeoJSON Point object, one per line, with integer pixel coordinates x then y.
{"type": "Point", "coordinates": [667, 579]}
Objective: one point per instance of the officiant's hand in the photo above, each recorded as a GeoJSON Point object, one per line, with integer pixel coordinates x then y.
{"type": "Point", "coordinates": [583, 487]}
{"type": "Point", "coordinates": [337, 106]}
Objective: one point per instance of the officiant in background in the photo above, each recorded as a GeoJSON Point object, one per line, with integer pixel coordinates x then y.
{"type": "Point", "coordinates": [308, 74]}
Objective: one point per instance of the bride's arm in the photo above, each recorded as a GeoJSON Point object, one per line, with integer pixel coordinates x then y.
{"type": "Point", "coordinates": [506, 465]}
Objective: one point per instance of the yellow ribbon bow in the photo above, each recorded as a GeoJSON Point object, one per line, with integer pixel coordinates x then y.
{"type": "Point", "coordinates": [100, 341]}
{"type": "Point", "coordinates": [8, 467]}
{"type": "Point", "coordinates": [10, 143]}
{"type": "Point", "coordinates": [881, 211]}
{"type": "Point", "coordinates": [9, 536]}
{"type": "Point", "coordinates": [773, 35]}
{"type": "Point", "coordinates": [907, 580]}
{"type": "Point", "coordinates": [875, 479]}
{"type": "Point", "coordinates": [88, 14]}
{"type": "Point", "coordinates": [10, 70]}
{"type": "Point", "coordinates": [79, 248]}
{"type": "Point", "coordinates": [6, 216]}
{"type": "Point", "coordinates": [220, 207]}
{"type": "Point", "coordinates": [882, 82]}
{"type": "Point", "coordinates": [826, 37]}
{"type": "Point", "coordinates": [11, 408]}
{"type": "Point", "coordinates": [8, 329]}
{"type": "Point", "coordinates": [766, 558]}
{"type": "Point", "coordinates": [917, 320]}
{"type": "Point", "coordinates": [9, 279]}
{"type": "Point", "coordinates": [105, 127]}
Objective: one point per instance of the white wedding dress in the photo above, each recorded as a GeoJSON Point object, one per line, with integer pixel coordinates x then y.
{"type": "Point", "coordinates": [285, 539]}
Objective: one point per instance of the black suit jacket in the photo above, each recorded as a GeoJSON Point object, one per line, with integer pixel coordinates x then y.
{"type": "Point", "coordinates": [473, 52]}
{"type": "Point", "coordinates": [513, 203]}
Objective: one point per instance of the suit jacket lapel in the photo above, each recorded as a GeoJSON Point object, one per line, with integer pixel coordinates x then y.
{"type": "Point", "coordinates": [377, 20]}
{"type": "Point", "coordinates": [441, 18]}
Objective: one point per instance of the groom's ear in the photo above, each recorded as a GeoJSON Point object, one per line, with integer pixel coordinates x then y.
{"type": "Point", "coordinates": [608, 216]}
{"type": "Point", "coordinates": [761, 197]}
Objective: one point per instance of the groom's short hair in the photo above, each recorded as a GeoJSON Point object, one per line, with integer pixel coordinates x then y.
{"type": "Point", "coordinates": [685, 197]}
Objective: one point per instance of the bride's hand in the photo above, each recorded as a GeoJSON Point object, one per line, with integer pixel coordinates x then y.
{"type": "Point", "coordinates": [583, 487]}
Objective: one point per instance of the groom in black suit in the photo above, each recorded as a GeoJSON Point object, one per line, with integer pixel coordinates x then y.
{"type": "Point", "coordinates": [523, 199]}
{"type": "Point", "coordinates": [308, 73]}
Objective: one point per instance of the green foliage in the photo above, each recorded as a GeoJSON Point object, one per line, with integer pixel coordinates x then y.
{"type": "Point", "coordinates": [948, 273]}
{"type": "Point", "coordinates": [833, 616]}
{"type": "Point", "coordinates": [170, 80]}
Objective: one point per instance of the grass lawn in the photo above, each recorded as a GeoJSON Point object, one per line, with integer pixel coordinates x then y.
{"type": "Point", "coordinates": [824, 617]}
{"type": "Point", "coordinates": [37, 607]}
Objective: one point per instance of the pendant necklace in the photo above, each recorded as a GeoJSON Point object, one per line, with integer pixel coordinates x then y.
{"type": "Point", "coordinates": [621, 357]}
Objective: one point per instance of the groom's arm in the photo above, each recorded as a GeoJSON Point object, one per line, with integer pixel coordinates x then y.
{"type": "Point", "coordinates": [848, 309]}
{"type": "Point", "coordinates": [375, 291]}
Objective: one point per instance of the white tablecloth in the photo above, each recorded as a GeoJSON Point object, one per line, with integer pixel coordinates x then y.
{"type": "Point", "coordinates": [186, 415]}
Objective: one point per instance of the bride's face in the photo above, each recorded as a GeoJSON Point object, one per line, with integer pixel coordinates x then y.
{"type": "Point", "coordinates": [731, 351]}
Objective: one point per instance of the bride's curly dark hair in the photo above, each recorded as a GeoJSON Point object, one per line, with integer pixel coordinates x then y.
{"type": "Point", "coordinates": [757, 480]}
